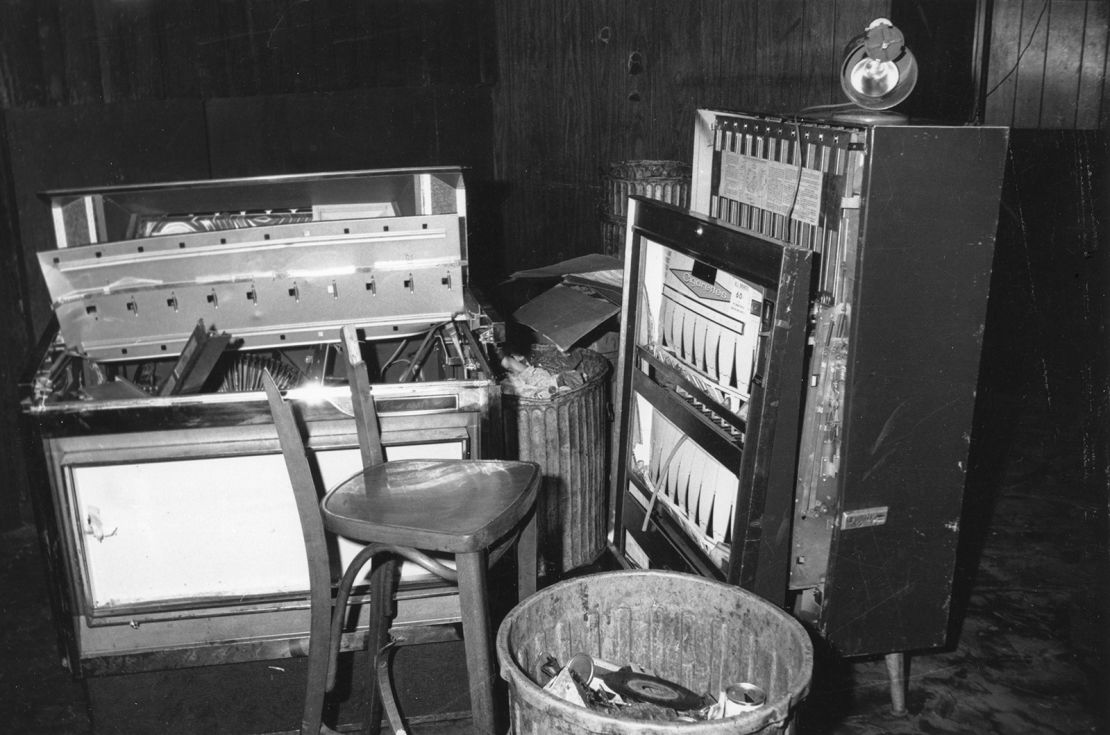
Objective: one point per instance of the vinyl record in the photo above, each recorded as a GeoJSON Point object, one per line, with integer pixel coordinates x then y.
{"type": "Point", "coordinates": [652, 689]}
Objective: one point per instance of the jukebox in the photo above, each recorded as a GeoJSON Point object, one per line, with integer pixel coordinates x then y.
{"type": "Point", "coordinates": [170, 528]}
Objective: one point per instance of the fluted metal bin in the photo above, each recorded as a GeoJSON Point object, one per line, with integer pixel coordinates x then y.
{"type": "Point", "coordinates": [667, 181]}
{"type": "Point", "coordinates": [566, 434]}
{"type": "Point", "coordinates": [701, 634]}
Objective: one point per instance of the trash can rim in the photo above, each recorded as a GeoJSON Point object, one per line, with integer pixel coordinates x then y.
{"type": "Point", "coordinates": [753, 721]}
{"type": "Point", "coordinates": [590, 382]}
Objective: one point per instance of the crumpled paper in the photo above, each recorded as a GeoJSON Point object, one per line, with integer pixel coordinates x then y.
{"type": "Point", "coordinates": [544, 374]}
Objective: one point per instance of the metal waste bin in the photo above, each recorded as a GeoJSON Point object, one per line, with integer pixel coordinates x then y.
{"type": "Point", "coordinates": [667, 181]}
{"type": "Point", "coordinates": [566, 434]}
{"type": "Point", "coordinates": [693, 631]}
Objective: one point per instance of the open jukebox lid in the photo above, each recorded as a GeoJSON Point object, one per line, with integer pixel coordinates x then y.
{"type": "Point", "coordinates": [273, 261]}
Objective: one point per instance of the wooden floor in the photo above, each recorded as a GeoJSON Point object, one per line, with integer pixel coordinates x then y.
{"type": "Point", "coordinates": [1029, 658]}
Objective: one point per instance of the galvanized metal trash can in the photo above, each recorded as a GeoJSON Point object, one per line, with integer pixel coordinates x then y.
{"type": "Point", "coordinates": [566, 434]}
{"type": "Point", "coordinates": [696, 632]}
{"type": "Point", "coordinates": [667, 181]}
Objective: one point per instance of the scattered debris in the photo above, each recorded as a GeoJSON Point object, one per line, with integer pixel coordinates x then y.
{"type": "Point", "coordinates": [548, 371]}
{"type": "Point", "coordinates": [633, 693]}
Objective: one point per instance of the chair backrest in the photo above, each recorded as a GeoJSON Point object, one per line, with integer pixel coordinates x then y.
{"type": "Point", "coordinates": [366, 416]}
{"type": "Point", "coordinates": [304, 484]}
{"type": "Point", "coordinates": [305, 491]}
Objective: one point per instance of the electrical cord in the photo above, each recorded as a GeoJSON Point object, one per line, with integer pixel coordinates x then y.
{"type": "Point", "coordinates": [1017, 62]}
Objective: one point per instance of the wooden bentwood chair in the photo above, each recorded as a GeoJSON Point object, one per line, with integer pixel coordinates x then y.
{"type": "Point", "coordinates": [404, 509]}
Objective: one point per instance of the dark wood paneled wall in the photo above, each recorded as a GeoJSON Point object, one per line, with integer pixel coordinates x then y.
{"type": "Point", "coordinates": [1047, 65]}
{"type": "Point", "coordinates": [14, 343]}
{"type": "Point", "coordinates": [1045, 349]}
{"type": "Point", "coordinates": [583, 84]}
{"type": "Point", "coordinates": [55, 52]}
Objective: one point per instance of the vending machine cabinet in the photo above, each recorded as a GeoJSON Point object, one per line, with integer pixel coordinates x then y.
{"type": "Point", "coordinates": [900, 220]}
{"type": "Point", "coordinates": [712, 345]}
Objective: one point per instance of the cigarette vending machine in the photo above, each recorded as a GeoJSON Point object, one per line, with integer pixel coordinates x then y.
{"type": "Point", "coordinates": [851, 519]}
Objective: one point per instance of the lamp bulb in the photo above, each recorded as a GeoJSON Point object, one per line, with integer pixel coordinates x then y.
{"type": "Point", "coordinates": [874, 78]}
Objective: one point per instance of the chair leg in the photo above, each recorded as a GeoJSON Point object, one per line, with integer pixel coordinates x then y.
{"type": "Point", "coordinates": [476, 638]}
{"type": "Point", "coordinates": [318, 635]}
{"type": "Point", "coordinates": [526, 560]}
{"type": "Point", "coordinates": [383, 584]}
{"type": "Point", "coordinates": [385, 689]}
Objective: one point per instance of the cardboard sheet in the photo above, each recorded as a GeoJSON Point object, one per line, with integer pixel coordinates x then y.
{"type": "Point", "coordinates": [564, 315]}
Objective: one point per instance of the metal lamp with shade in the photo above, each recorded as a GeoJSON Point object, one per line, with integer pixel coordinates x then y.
{"type": "Point", "coordinates": [878, 72]}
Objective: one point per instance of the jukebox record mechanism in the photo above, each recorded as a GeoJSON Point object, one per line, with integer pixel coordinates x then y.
{"type": "Point", "coordinates": [169, 224]}
{"type": "Point", "coordinates": [195, 363]}
{"type": "Point", "coordinates": [242, 372]}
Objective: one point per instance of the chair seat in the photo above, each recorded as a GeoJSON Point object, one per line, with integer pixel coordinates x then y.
{"type": "Point", "coordinates": [452, 506]}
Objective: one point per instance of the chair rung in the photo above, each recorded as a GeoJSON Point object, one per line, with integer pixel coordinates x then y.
{"type": "Point", "coordinates": [408, 635]}
{"type": "Point", "coordinates": [405, 635]}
